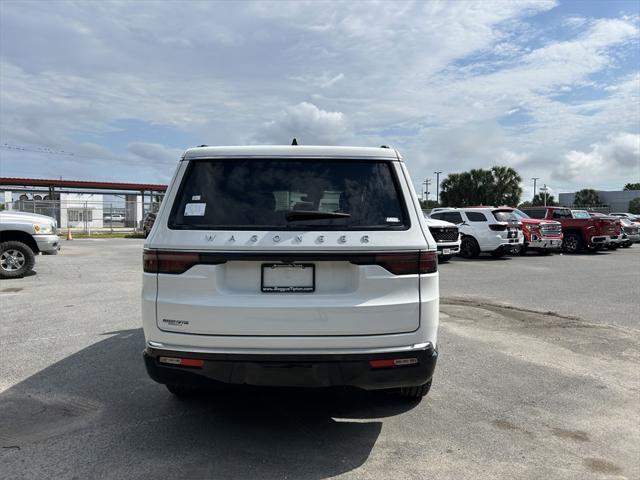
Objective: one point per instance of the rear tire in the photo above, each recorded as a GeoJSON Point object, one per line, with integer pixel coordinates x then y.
{"type": "Point", "coordinates": [572, 243]}
{"type": "Point", "coordinates": [444, 258]}
{"type": "Point", "coordinates": [523, 249]}
{"type": "Point", "coordinates": [469, 248]}
{"type": "Point", "coordinates": [16, 259]}
{"type": "Point", "coordinates": [415, 393]}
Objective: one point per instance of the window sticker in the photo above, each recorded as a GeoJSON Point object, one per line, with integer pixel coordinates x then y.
{"type": "Point", "coordinates": [194, 209]}
{"type": "Point", "coordinates": [196, 198]}
{"type": "Point", "coordinates": [393, 220]}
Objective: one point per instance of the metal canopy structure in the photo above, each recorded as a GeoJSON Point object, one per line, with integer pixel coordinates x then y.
{"type": "Point", "coordinates": [79, 186]}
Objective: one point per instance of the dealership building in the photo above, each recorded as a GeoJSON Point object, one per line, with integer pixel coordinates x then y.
{"type": "Point", "coordinates": [616, 201]}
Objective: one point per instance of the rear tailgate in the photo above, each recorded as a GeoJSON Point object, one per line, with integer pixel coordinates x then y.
{"type": "Point", "coordinates": [332, 294]}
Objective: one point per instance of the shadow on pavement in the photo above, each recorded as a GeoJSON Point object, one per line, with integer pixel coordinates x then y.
{"type": "Point", "coordinates": [100, 403]}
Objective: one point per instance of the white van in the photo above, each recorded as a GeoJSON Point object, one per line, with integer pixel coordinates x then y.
{"type": "Point", "coordinates": [291, 266]}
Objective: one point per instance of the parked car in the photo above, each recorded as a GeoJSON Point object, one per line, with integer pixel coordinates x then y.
{"type": "Point", "coordinates": [542, 236]}
{"type": "Point", "coordinates": [447, 237]}
{"type": "Point", "coordinates": [147, 223]}
{"type": "Point", "coordinates": [22, 236]}
{"type": "Point", "coordinates": [310, 268]}
{"type": "Point", "coordinates": [631, 230]}
{"type": "Point", "coordinates": [631, 216]}
{"type": "Point", "coordinates": [496, 231]}
{"type": "Point", "coordinates": [589, 234]}
{"type": "Point", "coordinates": [116, 217]}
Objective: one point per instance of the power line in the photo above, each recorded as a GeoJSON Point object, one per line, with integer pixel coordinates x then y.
{"type": "Point", "coordinates": [45, 150]}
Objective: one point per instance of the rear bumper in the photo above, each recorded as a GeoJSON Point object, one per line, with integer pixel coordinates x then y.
{"type": "Point", "coordinates": [601, 239]}
{"type": "Point", "coordinates": [293, 370]}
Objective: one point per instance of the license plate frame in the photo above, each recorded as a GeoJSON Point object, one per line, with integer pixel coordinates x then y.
{"type": "Point", "coordinates": [294, 269]}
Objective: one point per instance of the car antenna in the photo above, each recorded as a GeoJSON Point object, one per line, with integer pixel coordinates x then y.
{"type": "Point", "coordinates": [295, 142]}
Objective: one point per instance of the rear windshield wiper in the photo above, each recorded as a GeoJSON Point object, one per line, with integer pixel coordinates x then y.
{"type": "Point", "coordinates": [294, 215]}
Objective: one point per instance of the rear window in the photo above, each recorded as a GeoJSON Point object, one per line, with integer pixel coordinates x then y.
{"type": "Point", "coordinates": [505, 216]}
{"type": "Point", "coordinates": [562, 213]}
{"type": "Point", "coordinates": [537, 212]}
{"type": "Point", "coordinates": [289, 194]}
{"type": "Point", "coordinates": [476, 217]}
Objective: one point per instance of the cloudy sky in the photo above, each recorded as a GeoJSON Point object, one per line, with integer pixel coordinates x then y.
{"type": "Point", "coordinates": [116, 90]}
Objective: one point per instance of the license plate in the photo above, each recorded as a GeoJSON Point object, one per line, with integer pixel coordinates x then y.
{"type": "Point", "coordinates": [288, 278]}
{"type": "Point", "coordinates": [512, 233]}
{"type": "Point", "coordinates": [446, 251]}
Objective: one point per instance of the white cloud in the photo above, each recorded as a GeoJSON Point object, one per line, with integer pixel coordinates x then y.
{"type": "Point", "coordinates": [454, 85]}
{"type": "Point", "coordinates": [306, 122]}
{"type": "Point", "coordinates": [618, 157]}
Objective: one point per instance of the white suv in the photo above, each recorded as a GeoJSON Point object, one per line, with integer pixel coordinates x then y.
{"type": "Point", "coordinates": [291, 266]}
{"type": "Point", "coordinates": [484, 229]}
{"type": "Point", "coordinates": [446, 236]}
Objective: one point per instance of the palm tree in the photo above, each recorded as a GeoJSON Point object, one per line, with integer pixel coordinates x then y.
{"type": "Point", "coordinates": [587, 197]}
{"type": "Point", "coordinates": [507, 190]}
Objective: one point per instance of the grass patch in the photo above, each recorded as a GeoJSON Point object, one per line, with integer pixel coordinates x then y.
{"type": "Point", "coordinates": [105, 235]}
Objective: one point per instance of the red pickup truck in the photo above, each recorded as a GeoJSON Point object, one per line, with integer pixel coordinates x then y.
{"type": "Point", "coordinates": [589, 234]}
{"type": "Point", "coordinates": [542, 236]}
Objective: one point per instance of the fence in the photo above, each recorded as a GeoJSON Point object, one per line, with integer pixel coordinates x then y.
{"type": "Point", "coordinates": [89, 217]}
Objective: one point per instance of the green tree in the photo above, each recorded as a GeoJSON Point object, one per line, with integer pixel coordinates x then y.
{"type": "Point", "coordinates": [428, 204]}
{"type": "Point", "coordinates": [632, 186]}
{"type": "Point", "coordinates": [498, 186]}
{"type": "Point", "coordinates": [538, 200]}
{"type": "Point", "coordinates": [634, 206]}
{"type": "Point", "coordinates": [587, 197]}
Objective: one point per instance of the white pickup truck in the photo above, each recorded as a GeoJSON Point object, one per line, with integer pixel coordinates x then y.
{"type": "Point", "coordinates": [22, 236]}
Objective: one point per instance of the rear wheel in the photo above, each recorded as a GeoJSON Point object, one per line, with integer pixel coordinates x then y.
{"type": "Point", "coordinates": [444, 258]}
{"type": "Point", "coordinates": [626, 245]}
{"type": "Point", "coordinates": [523, 249]}
{"type": "Point", "coordinates": [572, 243]}
{"type": "Point", "coordinates": [469, 247]}
{"type": "Point", "coordinates": [415, 392]}
{"type": "Point", "coordinates": [16, 259]}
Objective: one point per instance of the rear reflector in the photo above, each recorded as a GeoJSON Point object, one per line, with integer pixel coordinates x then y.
{"type": "Point", "coordinates": [393, 362]}
{"type": "Point", "coordinates": [183, 362]}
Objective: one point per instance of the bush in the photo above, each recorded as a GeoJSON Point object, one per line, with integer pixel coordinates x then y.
{"type": "Point", "coordinates": [634, 206]}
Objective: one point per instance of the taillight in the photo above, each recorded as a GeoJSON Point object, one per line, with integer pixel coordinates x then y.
{"type": "Point", "coordinates": [497, 227]}
{"type": "Point", "coordinates": [159, 261]}
{"type": "Point", "coordinates": [405, 263]}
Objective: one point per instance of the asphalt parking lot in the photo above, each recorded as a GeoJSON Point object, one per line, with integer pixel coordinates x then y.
{"type": "Point", "coordinates": [517, 393]}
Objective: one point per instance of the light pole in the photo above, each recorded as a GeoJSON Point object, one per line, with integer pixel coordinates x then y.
{"type": "Point", "coordinates": [535, 179]}
{"type": "Point", "coordinates": [437, 187]}
{"type": "Point", "coordinates": [545, 189]}
{"type": "Point", "coordinates": [426, 183]}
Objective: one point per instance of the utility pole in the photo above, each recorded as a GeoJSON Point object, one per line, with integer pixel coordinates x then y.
{"type": "Point", "coordinates": [545, 189]}
{"type": "Point", "coordinates": [426, 183]}
{"type": "Point", "coordinates": [535, 179]}
{"type": "Point", "coordinates": [437, 187]}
